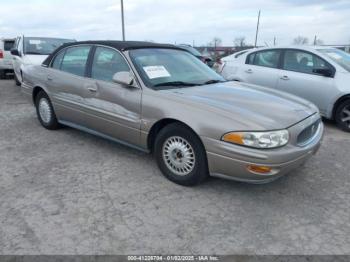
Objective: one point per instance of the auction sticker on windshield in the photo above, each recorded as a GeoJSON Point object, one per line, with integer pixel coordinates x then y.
{"type": "Point", "coordinates": [35, 41]}
{"type": "Point", "coordinates": [156, 71]}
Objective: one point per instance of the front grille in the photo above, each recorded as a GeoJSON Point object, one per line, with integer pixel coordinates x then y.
{"type": "Point", "coordinates": [308, 134]}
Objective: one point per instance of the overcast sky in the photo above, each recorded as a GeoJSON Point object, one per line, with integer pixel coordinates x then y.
{"type": "Point", "coordinates": [183, 21]}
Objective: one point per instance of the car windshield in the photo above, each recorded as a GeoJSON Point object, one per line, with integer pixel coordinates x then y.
{"type": "Point", "coordinates": [43, 46]}
{"type": "Point", "coordinates": [340, 57]}
{"type": "Point", "coordinates": [162, 68]}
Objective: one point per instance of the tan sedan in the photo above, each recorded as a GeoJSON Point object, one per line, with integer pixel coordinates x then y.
{"type": "Point", "coordinates": [161, 99]}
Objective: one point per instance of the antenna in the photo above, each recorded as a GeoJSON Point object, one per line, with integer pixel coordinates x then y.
{"type": "Point", "coordinates": [257, 29]}
{"type": "Point", "coordinates": [123, 26]}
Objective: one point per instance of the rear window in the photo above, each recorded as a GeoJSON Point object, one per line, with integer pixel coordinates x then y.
{"type": "Point", "coordinates": [8, 45]}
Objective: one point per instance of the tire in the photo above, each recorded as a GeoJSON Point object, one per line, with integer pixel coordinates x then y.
{"type": "Point", "coordinates": [342, 116]}
{"type": "Point", "coordinates": [2, 74]}
{"type": "Point", "coordinates": [45, 111]}
{"type": "Point", "coordinates": [180, 155]}
{"type": "Point", "coordinates": [18, 83]}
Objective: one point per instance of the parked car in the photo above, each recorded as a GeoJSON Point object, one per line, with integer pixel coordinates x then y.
{"type": "Point", "coordinates": [161, 99]}
{"type": "Point", "coordinates": [318, 74]}
{"type": "Point", "coordinates": [6, 67]}
{"type": "Point", "coordinates": [219, 65]}
{"type": "Point", "coordinates": [32, 51]}
{"type": "Point", "coordinates": [205, 59]}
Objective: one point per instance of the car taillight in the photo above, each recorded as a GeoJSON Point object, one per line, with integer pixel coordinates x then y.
{"type": "Point", "coordinates": [1, 54]}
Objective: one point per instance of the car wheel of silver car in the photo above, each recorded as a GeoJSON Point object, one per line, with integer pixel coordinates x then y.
{"type": "Point", "coordinates": [45, 112]}
{"type": "Point", "coordinates": [342, 116]}
{"type": "Point", "coordinates": [180, 155]}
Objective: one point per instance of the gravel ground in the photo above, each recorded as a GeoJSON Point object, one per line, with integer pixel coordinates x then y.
{"type": "Point", "coordinates": [67, 192]}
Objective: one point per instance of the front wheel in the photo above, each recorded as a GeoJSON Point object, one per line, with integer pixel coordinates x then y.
{"type": "Point", "coordinates": [342, 116]}
{"type": "Point", "coordinates": [180, 155]}
{"type": "Point", "coordinates": [17, 82]}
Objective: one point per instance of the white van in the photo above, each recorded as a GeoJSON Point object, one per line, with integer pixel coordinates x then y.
{"type": "Point", "coordinates": [6, 66]}
{"type": "Point", "coordinates": [33, 51]}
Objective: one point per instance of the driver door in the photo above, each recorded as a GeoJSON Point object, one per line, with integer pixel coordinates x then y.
{"type": "Point", "coordinates": [113, 109]}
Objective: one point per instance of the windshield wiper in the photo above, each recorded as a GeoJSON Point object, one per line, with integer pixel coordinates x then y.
{"type": "Point", "coordinates": [213, 81]}
{"type": "Point", "coordinates": [176, 83]}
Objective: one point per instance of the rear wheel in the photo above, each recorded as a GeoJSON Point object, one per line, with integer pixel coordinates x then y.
{"type": "Point", "coordinates": [45, 112]}
{"type": "Point", "coordinates": [342, 116]}
{"type": "Point", "coordinates": [180, 155]}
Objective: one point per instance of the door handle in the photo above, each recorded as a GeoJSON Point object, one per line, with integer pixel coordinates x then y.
{"type": "Point", "coordinates": [249, 71]}
{"type": "Point", "coordinates": [92, 89]}
{"type": "Point", "coordinates": [285, 78]}
{"type": "Point", "coordinates": [49, 78]}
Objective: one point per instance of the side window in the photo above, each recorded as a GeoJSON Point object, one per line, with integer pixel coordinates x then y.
{"type": "Point", "coordinates": [250, 59]}
{"type": "Point", "coordinates": [267, 58]}
{"type": "Point", "coordinates": [106, 63]}
{"type": "Point", "coordinates": [75, 59]}
{"type": "Point", "coordinates": [58, 60]}
{"type": "Point", "coordinates": [303, 62]}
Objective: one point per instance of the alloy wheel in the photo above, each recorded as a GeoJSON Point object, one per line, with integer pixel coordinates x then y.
{"type": "Point", "coordinates": [178, 155]}
{"type": "Point", "coordinates": [345, 115]}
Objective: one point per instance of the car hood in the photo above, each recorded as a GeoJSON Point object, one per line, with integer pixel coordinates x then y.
{"type": "Point", "coordinates": [35, 59]}
{"type": "Point", "coordinates": [253, 106]}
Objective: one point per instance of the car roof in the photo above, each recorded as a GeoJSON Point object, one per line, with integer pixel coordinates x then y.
{"type": "Point", "coordinates": [119, 45]}
{"type": "Point", "coordinates": [7, 39]}
{"type": "Point", "coordinates": [123, 45]}
{"type": "Point", "coordinates": [312, 48]}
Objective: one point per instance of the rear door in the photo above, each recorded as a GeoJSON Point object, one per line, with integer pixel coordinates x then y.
{"type": "Point", "coordinates": [298, 77]}
{"type": "Point", "coordinates": [261, 68]}
{"type": "Point", "coordinates": [114, 109]}
{"type": "Point", "coordinates": [68, 85]}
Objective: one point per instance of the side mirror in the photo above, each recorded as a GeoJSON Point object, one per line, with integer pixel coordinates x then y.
{"type": "Point", "coordinates": [15, 52]}
{"type": "Point", "coordinates": [123, 78]}
{"type": "Point", "coordinates": [323, 71]}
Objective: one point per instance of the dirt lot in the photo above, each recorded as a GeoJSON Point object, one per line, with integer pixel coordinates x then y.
{"type": "Point", "coordinates": [67, 192]}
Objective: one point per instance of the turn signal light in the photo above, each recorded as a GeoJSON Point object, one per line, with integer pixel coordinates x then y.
{"type": "Point", "coordinates": [236, 138]}
{"type": "Point", "coordinates": [1, 54]}
{"type": "Point", "coordinates": [259, 169]}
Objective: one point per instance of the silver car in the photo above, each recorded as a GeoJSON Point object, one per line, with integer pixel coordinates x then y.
{"type": "Point", "coordinates": [317, 73]}
{"type": "Point", "coordinates": [161, 99]}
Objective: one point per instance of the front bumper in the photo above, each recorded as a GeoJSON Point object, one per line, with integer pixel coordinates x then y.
{"type": "Point", "coordinates": [231, 161]}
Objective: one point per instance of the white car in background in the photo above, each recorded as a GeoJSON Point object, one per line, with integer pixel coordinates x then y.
{"type": "Point", "coordinates": [33, 51]}
{"type": "Point", "coordinates": [318, 74]}
{"type": "Point", "coordinates": [6, 66]}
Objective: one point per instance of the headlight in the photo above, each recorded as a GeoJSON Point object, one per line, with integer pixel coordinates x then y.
{"type": "Point", "coordinates": [271, 139]}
